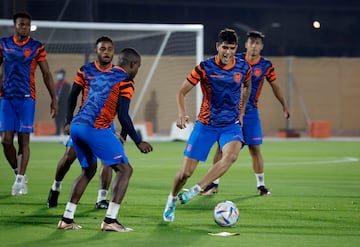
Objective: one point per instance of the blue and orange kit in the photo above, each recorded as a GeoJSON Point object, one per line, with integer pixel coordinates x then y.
{"type": "Point", "coordinates": [86, 73]}
{"type": "Point", "coordinates": [101, 104]}
{"type": "Point", "coordinates": [261, 69]}
{"type": "Point", "coordinates": [20, 61]}
{"type": "Point", "coordinates": [221, 88]}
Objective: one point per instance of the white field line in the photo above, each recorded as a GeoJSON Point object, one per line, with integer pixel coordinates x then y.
{"type": "Point", "coordinates": [313, 162]}
{"type": "Point", "coordinates": [276, 163]}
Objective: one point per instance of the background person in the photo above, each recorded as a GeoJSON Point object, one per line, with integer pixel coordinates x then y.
{"type": "Point", "coordinates": [62, 89]}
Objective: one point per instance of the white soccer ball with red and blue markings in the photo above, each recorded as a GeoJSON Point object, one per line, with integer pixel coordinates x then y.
{"type": "Point", "coordinates": [226, 213]}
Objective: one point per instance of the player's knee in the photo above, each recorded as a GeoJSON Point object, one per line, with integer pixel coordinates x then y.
{"type": "Point", "coordinates": [230, 158]}
{"type": "Point", "coordinates": [124, 169]}
{"type": "Point", "coordinates": [183, 175]}
{"type": "Point", "coordinates": [70, 154]}
{"type": "Point", "coordinates": [90, 171]}
{"type": "Point", "coordinates": [254, 150]}
{"type": "Point", "coordinates": [128, 170]}
{"type": "Point", "coordinates": [6, 142]}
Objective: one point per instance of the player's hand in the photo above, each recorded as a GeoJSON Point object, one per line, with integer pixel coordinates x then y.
{"type": "Point", "coordinates": [286, 113]}
{"type": "Point", "coordinates": [67, 129]}
{"type": "Point", "coordinates": [53, 108]}
{"type": "Point", "coordinates": [182, 121]}
{"type": "Point", "coordinates": [145, 147]}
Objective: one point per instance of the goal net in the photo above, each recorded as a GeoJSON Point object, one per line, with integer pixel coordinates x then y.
{"type": "Point", "coordinates": [169, 52]}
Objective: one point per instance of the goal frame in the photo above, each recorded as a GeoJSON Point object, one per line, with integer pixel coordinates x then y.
{"type": "Point", "coordinates": [168, 28]}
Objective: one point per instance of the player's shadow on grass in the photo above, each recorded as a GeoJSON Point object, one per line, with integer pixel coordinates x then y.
{"type": "Point", "coordinates": [165, 233]}
{"type": "Point", "coordinates": [243, 198]}
{"type": "Point", "coordinates": [4, 197]}
{"type": "Point", "coordinates": [56, 237]}
{"type": "Point", "coordinates": [210, 201]}
{"type": "Point", "coordinates": [191, 227]}
{"type": "Point", "coordinates": [61, 238]}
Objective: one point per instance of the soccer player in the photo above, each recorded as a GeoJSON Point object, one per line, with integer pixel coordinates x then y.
{"type": "Point", "coordinates": [109, 94]}
{"type": "Point", "coordinates": [104, 51]}
{"type": "Point", "coordinates": [224, 80]}
{"type": "Point", "coordinates": [20, 54]}
{"type": "Point", "coordinates": [261, 69]}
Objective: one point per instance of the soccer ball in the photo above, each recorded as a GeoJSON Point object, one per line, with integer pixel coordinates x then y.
{"type": "Point", "coordinates": [226, 213]}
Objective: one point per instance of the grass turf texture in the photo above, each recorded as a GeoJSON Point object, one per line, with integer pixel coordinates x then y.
{"type": "Point", "coordinates": [315, 200]}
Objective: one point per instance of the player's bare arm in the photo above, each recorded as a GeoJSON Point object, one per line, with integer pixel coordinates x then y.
{"type": "Point", "coordinates": [183, 118]}
{"type": "Point", "coordinates": [49, 82]}
{"type": "Point", "coordinates": [246, 90]}
{"type": "Point", "coordinates": [280, 96]}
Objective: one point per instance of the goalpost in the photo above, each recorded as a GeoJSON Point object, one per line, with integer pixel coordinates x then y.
{"type": "Point", "coordinates": [169, 52]}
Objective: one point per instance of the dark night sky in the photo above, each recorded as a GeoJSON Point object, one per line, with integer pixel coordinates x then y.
{"type": "Point", "coordinates": [288, 27]}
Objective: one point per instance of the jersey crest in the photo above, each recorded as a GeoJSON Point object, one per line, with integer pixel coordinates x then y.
{"type": "Point", "coordinates": [27, 52]}
{"type": "Point", "coordinates": [237, 77]}
{"type": "Point", "coordinates": [257, 72]}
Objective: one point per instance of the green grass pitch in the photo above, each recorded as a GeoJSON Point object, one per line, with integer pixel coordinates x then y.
{"type": "Point", "coordinates": [315, 200]}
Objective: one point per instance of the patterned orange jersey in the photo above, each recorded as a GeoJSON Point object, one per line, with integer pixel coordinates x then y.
{"type": "Point", "coordinates": [101, 104]}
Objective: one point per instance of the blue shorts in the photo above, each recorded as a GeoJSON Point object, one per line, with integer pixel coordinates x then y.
{"type": "Point", "coordinates": [91, 144]}
{"type": "Point", "coordinates": [17, 115]}
{"type": "Point", "coordinates": [112, 127]}
{"type": "Point", "coordinates": [252, 128]}
{"type": "Point", "coordinates": [70, 142]}
{"type": "Point", "coordinates": [203, 137]}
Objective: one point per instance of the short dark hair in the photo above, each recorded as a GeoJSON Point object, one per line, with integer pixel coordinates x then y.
{"type": "Point", "coordinates": [102, 39]}
{"type": "Point", "coordinates": [21, 15]}
{"type": "Point", "coordinates": [128, 55]}
{"type": "Point", "coordinates": [256, 34]}
{"type": "Point", "coordinates": [228, 35]}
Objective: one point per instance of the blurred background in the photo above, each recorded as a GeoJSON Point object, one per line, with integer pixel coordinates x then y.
{"type": "Point", "coordinates": [312, 44]}
{"type": "Point", "coordinates": [296, 28]}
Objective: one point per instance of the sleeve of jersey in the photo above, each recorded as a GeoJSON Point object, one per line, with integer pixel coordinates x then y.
{"type": "Point", "coordinates": [80, 77]}
{"type": "Point", "coordinates": [196, 74]}
{"type": "Point", "coordinates": [125, 120]}
{"type": "Point", "coordinates": [270, 74]}
{"type": "Point", "coordinates": [41, 54]}
{"type": "Point", "coordinates": [71, 104]}
{"type": "Point", "coordinates": [127, 89]}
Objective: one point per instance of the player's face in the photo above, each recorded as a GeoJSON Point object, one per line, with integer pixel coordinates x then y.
{"type": "Point", "coordinates": [105, 52]}
{"type": "Point", "coordinates": [22, 27]}
{"type": "Point", "coordinates": [254, 46]}
{"type": "Point", "coordinates": [226, 52]}
{"type": "Point", "coordinates": [134, 68]}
